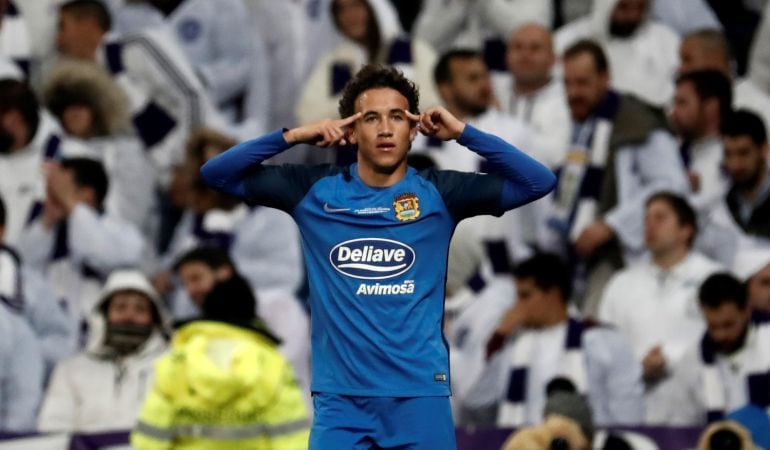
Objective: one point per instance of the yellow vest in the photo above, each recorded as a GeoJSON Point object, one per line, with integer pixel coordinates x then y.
{"type": "Point", "coordinates": [222, 387]}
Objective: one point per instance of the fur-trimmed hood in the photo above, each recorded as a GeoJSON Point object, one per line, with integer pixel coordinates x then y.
{"type": "Point", "coordinates": [73, 82]}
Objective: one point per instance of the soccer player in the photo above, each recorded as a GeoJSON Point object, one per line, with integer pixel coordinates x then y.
{"type": "Point", "coordinates": [375, 237]}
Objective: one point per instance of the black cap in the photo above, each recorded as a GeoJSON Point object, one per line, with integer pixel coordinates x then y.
{"type": "Point", "coordinates": [232, 301]}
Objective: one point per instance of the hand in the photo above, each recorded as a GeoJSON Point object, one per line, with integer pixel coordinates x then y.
{"type": "Point", "coordinates": [694, 180]}
{"type": "Point", "coordinates": [512, 321]}
{"type": "Point", "coordinates": [325, 133]}
{"type": "Point", "coordinates": [438, 122]}
{"type": "Point", "coordinates": [654, 365]}
{"type": "Point", "coordinates": [61, 187]}
{"type": "Point", "coordinates": [593, 237]}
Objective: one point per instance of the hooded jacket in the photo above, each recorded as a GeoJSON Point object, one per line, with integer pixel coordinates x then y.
{"type": "Point", "coordinates": [221, 387]}
{"type": "Point", "coordinates": [97, 390]}
{"type": "Point", "coordinates": [644, 64]}
{"type": "Point", "coordinates": [415, 58]}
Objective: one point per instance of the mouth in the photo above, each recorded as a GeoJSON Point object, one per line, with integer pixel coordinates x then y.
{"type": "Point", "coordinates": [387, 146]}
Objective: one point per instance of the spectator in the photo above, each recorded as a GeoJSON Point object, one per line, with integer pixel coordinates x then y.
{"type": "Point", "coordinates": [28, 138]}
{"type": "Point", "coordinates": [621, 152]}
{"type": "Point", "coordinates": [745, 160]}
{"type": "Point", "coordinates": [641, 52]}
{"type": "Point", "coordinates": [200, 269]}
{"type": "Point", "coordinates": [102, 389]}
{"type": "Point", "coordinates": [465, 88]}
{"type": "Point", "coordinates": [72, 242]}
{"type": "Point", "coordinates": [166, 99]}
{"type": "Point", "coordinates": [739, 20]}
{"type": "Point", "coordinates": [709, 50]}
{"type": "Point", "coordinates": [702, 101]}
{"type": "Point", "coordinates": [219, 220]}
{"type": "Point", "coordinates": [93, 109]}
{"type": "Point", "coordinates": [535, 95]}
{"type": "Point", "coordinates": [223, 384]}
{"type": "Point", "coordinates": [653, 302]}
{"type": "Point", "coordinates": [27, 293]}
{"type": "Point", "coordinates": [371, 34]}
{"type": "Point", "coordinates": [546, 343]}
{"type": "Point", "coordinates": [727, 369]}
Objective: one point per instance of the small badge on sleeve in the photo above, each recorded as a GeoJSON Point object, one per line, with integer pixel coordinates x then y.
{"type": "Point", "coordinates": [439, 377]}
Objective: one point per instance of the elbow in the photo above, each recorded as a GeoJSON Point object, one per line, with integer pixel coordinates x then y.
{"type": "Point", "coordinates": [546, 184]}
{"type": "Point", "coordinates": [208, 174]}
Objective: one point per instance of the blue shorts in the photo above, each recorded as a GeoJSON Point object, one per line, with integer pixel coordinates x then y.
{"type": "Point", "coordinates": [368, 423]}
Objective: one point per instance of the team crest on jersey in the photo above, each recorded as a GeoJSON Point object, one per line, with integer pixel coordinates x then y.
{"type": "Point", "coordinates": [407, 206]}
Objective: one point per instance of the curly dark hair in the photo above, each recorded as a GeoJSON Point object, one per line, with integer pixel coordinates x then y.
{"type": "Point", "coordinates": [373, 76]}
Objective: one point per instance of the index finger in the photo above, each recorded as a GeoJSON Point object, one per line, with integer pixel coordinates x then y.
{"type": "Point", "coordinates": [411, 116]}
{"type": "Point", "coordinates": [348, 120]}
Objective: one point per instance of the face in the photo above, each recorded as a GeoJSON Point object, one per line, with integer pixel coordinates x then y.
{"type": "Point", "coordinates": [744, 160]}
{"type": "Point", "coordinates": [693, 56]}
{"type": "Point", "coordinates": [687, 115]}
{"type": "Point", "coordinates": [627, 16]}
{"type": "Point", "coordinates": [662, 230]}
{"type": "Point", "coordinates": [584, 84]}
{"type": "Point", "coordinates": [353, 18]}
{"type": "Point", "coordinates": [69, 37]}
{"type": "Point", "coordinates": [471, 87]}
{"type": "Point", "coordinates": [726, 325]}
{"type": "Point", "coordinates": [198, 279]}
{"type": "Point", "coordinates": [78, 121]}
{"type": "Point", "coordinates": [759, 290]}
{"type": "Point", "coordinates": [383, 133]}
{"type": "Point", "coordinates": [530, 54]}
{"type": "Point", "coordinates": [537, 302]}
{"type": "Point", "coordinates": [129, 308]}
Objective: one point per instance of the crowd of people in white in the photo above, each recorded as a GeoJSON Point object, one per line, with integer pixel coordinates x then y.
{"type": "Point", "coordinates": [644, 278]}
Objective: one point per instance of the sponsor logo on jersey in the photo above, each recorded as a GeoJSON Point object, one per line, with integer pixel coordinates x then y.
{"type": "Point", "coordinates": [371, 258]}
{"type": "Point", "coordinates": [407, 287]}
{"type": "Point", "coordinates": [407, 206]}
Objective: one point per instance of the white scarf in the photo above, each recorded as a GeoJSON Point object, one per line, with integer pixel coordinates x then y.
{"type": "Point", "coordinates": [512, 410]}
{"type": "Point", "coordinates": [757, 373]}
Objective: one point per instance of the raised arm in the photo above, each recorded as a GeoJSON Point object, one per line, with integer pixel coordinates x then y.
{"type": "Point", "coordinates": [525, 179]}
{"type": "Point", "coordinates": [227, 171]}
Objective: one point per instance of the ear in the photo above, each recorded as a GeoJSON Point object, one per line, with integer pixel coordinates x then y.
{"type": "Point", "coordinates": [413, 131]}
{"type": "Point", "coordinates": [444, 91]}
{"type": "Point", "coordinates": [224, 273]}
{"type": "Point", "coordinates": [350, 134]}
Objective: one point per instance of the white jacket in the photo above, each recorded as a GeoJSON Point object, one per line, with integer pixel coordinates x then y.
{"type": "Point", "coordinates": [91, 393]}
{"type": "Point", "coordinates": [76, 262]}
{"type": "Point", "coordinates": [644, 64]}
{"type": "Point", "coordinates": [547, 114]}
{"type": "Point", "coordinates": [321, 94]}
{"type": "Point", "coordinates": [15, 37]}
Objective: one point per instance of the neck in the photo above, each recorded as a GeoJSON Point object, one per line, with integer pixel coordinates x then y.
{"type": "Point", "coordinates": [524, 88]}
{"type": "Point", "coordinates": [374, 178]}
{"type": "Point", "coordinates": [668, 259]}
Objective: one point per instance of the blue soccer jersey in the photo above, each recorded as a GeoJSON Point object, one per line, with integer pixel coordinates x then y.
{"type": "Point", "coordinates": [376, 262]}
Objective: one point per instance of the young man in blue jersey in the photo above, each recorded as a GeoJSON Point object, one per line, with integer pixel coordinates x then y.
{"type": "Point", "coordinates": [375, 237]}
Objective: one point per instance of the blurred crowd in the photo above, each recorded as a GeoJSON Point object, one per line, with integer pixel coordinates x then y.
{"type": "Point", "coordinates": [641, 284]}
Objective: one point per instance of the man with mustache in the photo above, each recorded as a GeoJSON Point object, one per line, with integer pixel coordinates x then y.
{"type": "Point", "coordinates": [620, 153]}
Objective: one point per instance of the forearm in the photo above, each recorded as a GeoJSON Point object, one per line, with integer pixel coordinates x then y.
{"type": "Point", "coordinates": [226, 172]}
{"type": "Point", "coordinates": [526, 179]}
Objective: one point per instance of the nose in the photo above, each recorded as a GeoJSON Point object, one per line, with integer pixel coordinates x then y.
{"type": "Point", "coordinates": [384, 129]}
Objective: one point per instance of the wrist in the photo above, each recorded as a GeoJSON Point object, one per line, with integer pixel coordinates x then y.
{"type": "Point", "coordinates": [288, 136]}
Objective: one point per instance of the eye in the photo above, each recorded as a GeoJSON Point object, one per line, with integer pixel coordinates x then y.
{"type": "Point", "coordinates": [370, 118]}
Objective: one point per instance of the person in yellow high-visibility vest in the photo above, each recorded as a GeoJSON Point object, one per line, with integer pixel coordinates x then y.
{"type": "Point", "coordinates": [223, 384]}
